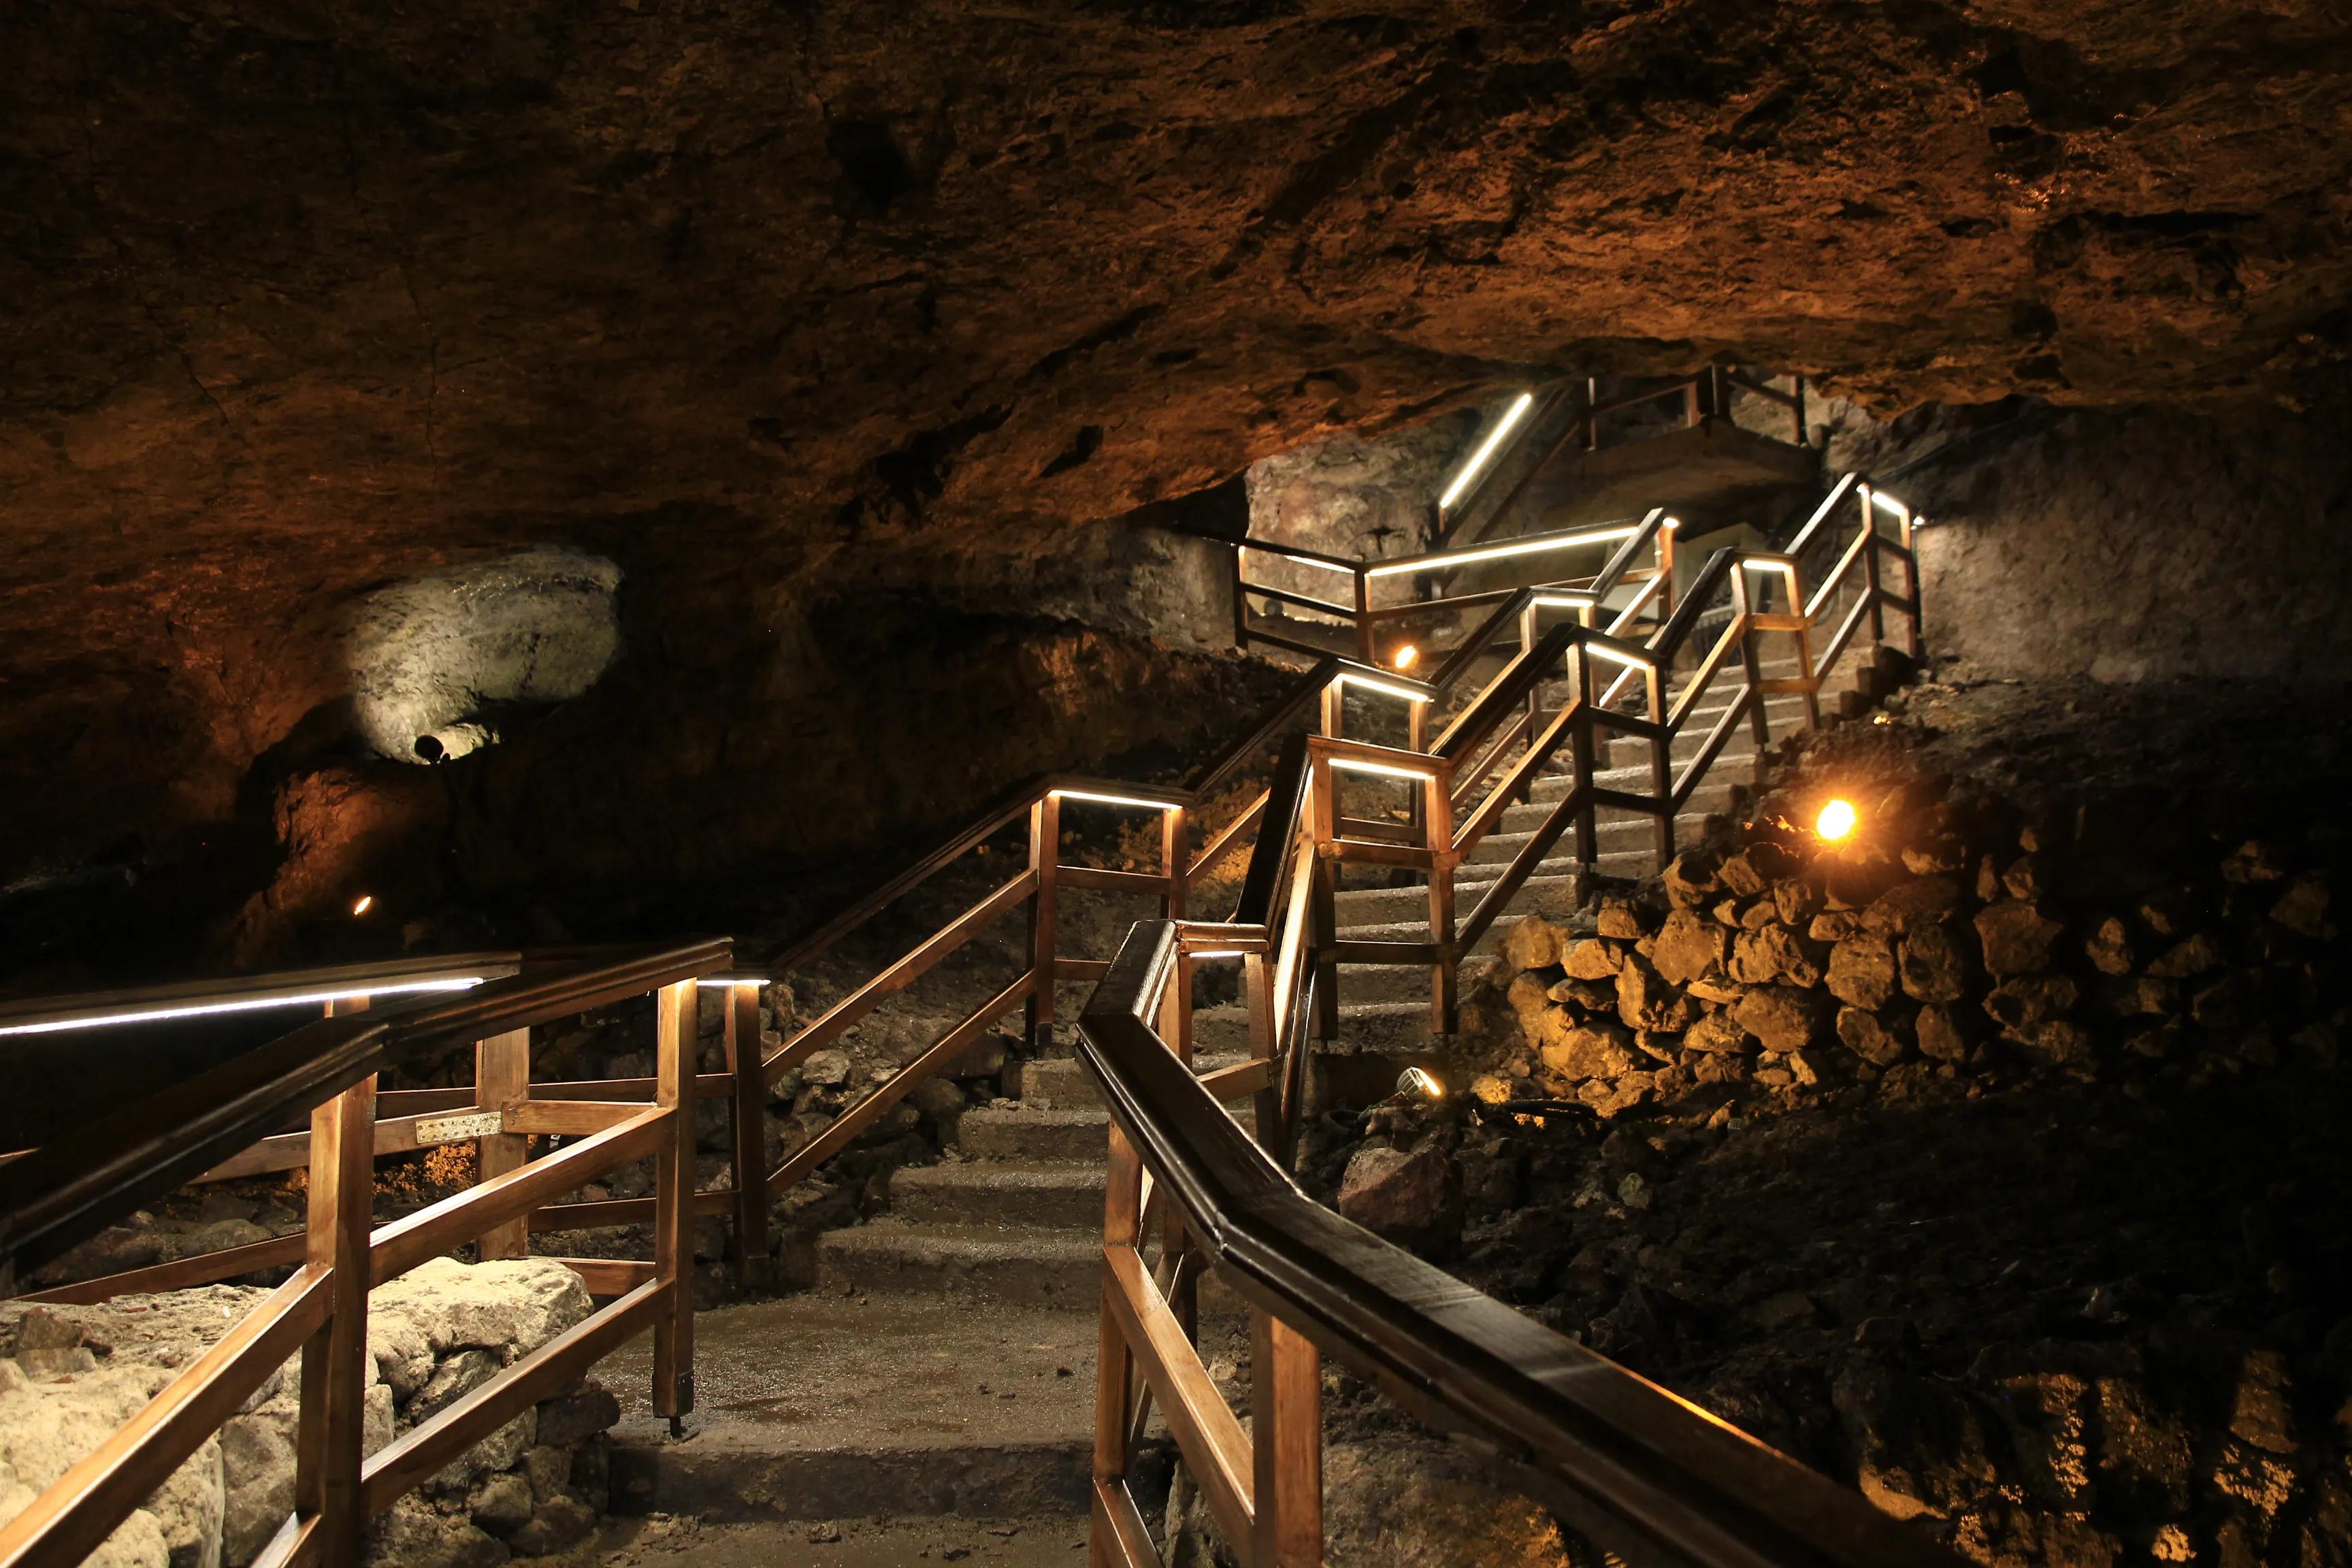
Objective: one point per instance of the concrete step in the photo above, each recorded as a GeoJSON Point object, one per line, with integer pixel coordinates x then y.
{"type": "Point", "coordinates": [1060, 1082]}
{"type": "Point", "coordinates": [1032, 1266]}
{"type": "Point", "coordinates": [1033, 1133]}
{"type": "Point", "coordinates": [1043, 1194]}
{"type": "Point", "coordinates": [826, 1405]}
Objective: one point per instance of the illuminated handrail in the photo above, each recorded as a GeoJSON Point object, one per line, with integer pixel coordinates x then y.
{"type": "Point", "coordinates": [239, 994]}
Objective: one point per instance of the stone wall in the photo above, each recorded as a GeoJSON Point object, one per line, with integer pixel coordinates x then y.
{"type": "Point", "coordinates": [75, 1373]}
{"type": "Point", "coordinates": [2127, 545]}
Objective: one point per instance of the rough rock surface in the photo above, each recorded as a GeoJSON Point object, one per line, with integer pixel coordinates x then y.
{"type": "Point", "coordinates": [795, 318]}
{"type": "Point", "coordinates": [75, 1373]}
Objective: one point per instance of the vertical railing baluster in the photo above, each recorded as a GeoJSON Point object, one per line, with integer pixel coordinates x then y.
{"type": "Point", "coordinates": [333, 1425]}
{"type": "Point", "coordinates": [1175, 850]}
{"type": "Point", "coordinates": [1114, 1368]}
{"type": "Point", "coordinates": [1580, 751]}
{"type": "Point", "coordinates": [1285, 1445]}
{"type": "Point", "coordinates": [673, 1051]}
{"type": "Point", "coordinates": [748, 1129]}
{"type": "Point", "coordinates": [1437, 813]}
{"type": "Point", "coordinates": [1045, 858]}
{"type": "Point", "coordinates": [1257, 994]}
{"type": "Point", "coordinates": [1870, 585]}
{"type": "Point", "coordinates": [502, 1081]}
{"type": "Point", "coordinates": [1364, 618]}
{"type": "Point", "coordinates": [1323, 807]}
{"type": "Point", "coordinates": [1662, 761]}
{"type": "Point", "coordinates": [1743, 610]}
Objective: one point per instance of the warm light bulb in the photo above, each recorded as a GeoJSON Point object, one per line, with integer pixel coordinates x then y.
{"type": "Point", "coordinates": [367, 903]}
{"type": "Point", "coordinates": [1837, 820]}
{"type": "Point", "coordinates": [1406, 655]}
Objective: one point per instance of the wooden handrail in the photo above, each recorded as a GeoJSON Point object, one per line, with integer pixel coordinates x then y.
{"type": "Point", "coordinates": [1626, 1462]}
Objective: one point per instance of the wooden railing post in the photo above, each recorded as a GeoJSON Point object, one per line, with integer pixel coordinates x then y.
{"type": "Point", "coordinates": [750, 1128]}
{"type": "Point", "coordinates": [335, 1371]}
{"type": "Point", "coordinates": [1364, 618]}
{"type": "Point", "coordinates": [501, 1082]}
{"type": "Point", "coordinates": [1662, 761]}
{"type": "Point", "coordinates": [1175, 853]}
{"type": "Point", "coordinates": [674, 1064]}
{"type": "Point", "coordinates": [1115, 1379]}
{"type": "Point", "coordinates": [1285, 1445]}
{"type": "Point", "coordinates": [1044, 860]}
{"type": "Point", "coordinates": [1581, 753]}
{"type": "Point", "coordinates": [1323, 816]}
{"type": "Point", "coordinates": [1241, 600]}
{"type": "Point", "coordinates": [1870, 584]}
{"type": "Point", "coordinates": [1437, 813]}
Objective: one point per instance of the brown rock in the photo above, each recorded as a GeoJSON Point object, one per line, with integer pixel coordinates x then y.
{"type": "Point", "coordinates": [1862, 971]}
{"type": "Point", "coordinates": [1867, 1036]}
{"type": "Point", "coordinates": [2168, 913]}
{"type": "Point", "coordinates": [1591, 959]}
{"type": "Point", "coordinates": [1717, 1034]}
{"type": "Point", "coordinates": [1773, 955]}
{"type": "Point", "coordinates": [1689, 947]}
{"type": "Point", "coordinates": [2227, 1005]}
{"type": "Point", "coordinates": [2255, 861]}
{"type": "Point", "coordinates": [1598, 1049]}
{"type": "Point", "coordinates": [1935, 857]}
{"type": "Point", "coordinates": [2026, 1000]}
{"type": "Point", "coordinates": [2059, 1042]}
{"type": "Point", "coordinates": [1796, 901]}
{"type": "Point", "coordinates": [1533, 943]}
{"type": "Point", "coordinates": [2109, 946]}
{"type": "Point", "coordinates": [1758, 915]}
{"type": "Point", "coordinates": [1755, 869]}
{"type": "Point", "coordinates": [1587, 995]}
{"type": "Point", "coordinates": [1805, 1067]}
{"type": "Point", "coordinates": [1413, 1199]}
{"type": "Point", "coordinates": [1722, 993]}
{"type": "Point", "coordinates": [1620, 920]}
{"type": "Point", "coordinates": [1645, 1000]}
{"type": "Point", "coordinates": [2303, 907]}
{"type": "Point", "coordinates": [1988, 886]}
{"type": "Point", "coordinates": [1934, 962]}
{"type": "Point", "coordinates": [1689, 880]}
{"type": "Point", "coordinates": [1909, 905]}
{"type": "Point", "coordinates": [1944, 1036]}
{"type": "Point", "coordinates": [1834, 925]}
{"type": "Point", "coordinates": [1660, 1047]}
{"type": "Point", "coordinates": [2027, 879]}
{"type": "Point", "coordinates": [1529, 998]}
{"type": "Point", "coordinates": [2016, 938]}
{"type": "Point", "coordinates": [1726, 912]}
{"type": "Point", "coordinates": [1781, 1017]}
{"type": "Point", "coordinates": [2141, 995]}
{"type": "Point", "coordinates": [2198, 954]}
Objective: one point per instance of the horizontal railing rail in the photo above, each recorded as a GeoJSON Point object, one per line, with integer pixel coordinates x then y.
{"type": "Point", "coordinates": [1643, 1473]}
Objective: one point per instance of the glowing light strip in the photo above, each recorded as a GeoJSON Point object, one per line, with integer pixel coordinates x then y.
{"type": "Point", "coordinates": [1562, 601]}
{"type": "Point", "coordinates": [1308, 561]}
{"type": "Point", "coordinates": [246, 1004]}
{"type": "Point", "coordinates": [1788, 566]}
{"type": "Point", "coordinates": [710, 985]}
{"type": "Point", "coordinates": [1469, 470]}
{"type": "Point", "coordinates": [1627, 659]}
{"type": "Point", "coordinates": [1500, 552]}
{"type": "Point", "coordinates": [1114, 799]}
{"type": "Point", "coordinates": [1880, 497]}
{"type": "Point", "coordinates": [1347, 677]}
{"type": "Point", "coordinates": [1387, 769]}
{"type": "Point", "coordinates": [1220, 952]}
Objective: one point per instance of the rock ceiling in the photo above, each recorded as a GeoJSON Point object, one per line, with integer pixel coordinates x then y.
{"type": "Point", "coordinates": [296, 299]}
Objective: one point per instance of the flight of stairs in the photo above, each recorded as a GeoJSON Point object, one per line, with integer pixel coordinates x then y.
{"type": "Point", "coordinates": [1013, 1214]}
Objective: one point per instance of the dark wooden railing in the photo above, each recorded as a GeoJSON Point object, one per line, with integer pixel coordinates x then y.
{"type": "Point", "coordinates": [1644, 1474]}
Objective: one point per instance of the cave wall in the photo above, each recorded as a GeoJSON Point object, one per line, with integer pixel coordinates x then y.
{"type": "Point", "coordinates": [2135, 544]}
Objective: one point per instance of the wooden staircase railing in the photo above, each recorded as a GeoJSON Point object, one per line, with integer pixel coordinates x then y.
{"type": "Point", "coordinates": [60, 1192]}
{"type": "Point", "coordinates": [1618, 1457]}
{"type": "Point", "coordinates": [1641, 1473]}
